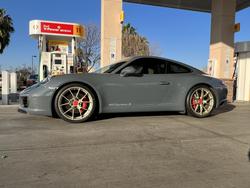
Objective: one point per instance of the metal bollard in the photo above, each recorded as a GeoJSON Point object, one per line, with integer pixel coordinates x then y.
{"type": "Point", "coordinates": [5, 87]}
{"type": "Point", "coordinates": [13, 87]}
{"type": "Point", "coordinates": [13, 82]}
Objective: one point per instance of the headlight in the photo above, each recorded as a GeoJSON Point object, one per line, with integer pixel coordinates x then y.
{"type": "Point", "coordinates": [46, 80]}
{"type": "Point", "coordinates": [28, 89]}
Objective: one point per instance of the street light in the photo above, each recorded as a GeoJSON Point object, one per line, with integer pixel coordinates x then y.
{"type": "Point", "coordinates": [34, 56]}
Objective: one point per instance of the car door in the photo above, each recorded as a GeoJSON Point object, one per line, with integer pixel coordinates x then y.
{"type": "Point", "coordinates": [146, 92]}
{"type": "Point", "coordinates": [178, 75]}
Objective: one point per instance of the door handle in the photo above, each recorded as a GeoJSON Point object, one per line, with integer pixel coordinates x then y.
{"type": "Point", "coordinates": [164, 83]}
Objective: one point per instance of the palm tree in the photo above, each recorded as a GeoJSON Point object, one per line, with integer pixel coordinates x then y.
{"type": "Point", "coordinates": [6, 28]}
{"type": "Point", "coordinates": [133, 44]}
{"type": "Point", "coordinates": [129, 29]}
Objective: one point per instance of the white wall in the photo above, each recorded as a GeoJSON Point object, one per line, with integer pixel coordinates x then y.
{"type": "Point", "coordinates": [243, 82]}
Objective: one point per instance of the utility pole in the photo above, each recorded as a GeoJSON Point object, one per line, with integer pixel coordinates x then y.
{"type": "Point", "coordinates": [32, 65]}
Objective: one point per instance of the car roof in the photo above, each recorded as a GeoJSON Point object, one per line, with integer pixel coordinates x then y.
{"type": "Point", "coordinates": [161, 58]}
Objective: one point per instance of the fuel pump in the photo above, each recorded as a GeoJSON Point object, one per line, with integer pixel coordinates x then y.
{"type": "Point", "coordinates": [57, 43]}
{"type": "Point", "coordinates": [59, 63]}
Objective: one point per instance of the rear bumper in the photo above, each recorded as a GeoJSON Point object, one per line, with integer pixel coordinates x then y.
{"type": "Point", "coordinates": [223, 102]}
{"type": "Point", "coordinates": [221, 96]}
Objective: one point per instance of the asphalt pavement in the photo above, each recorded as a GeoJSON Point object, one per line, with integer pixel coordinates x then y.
{"type": "Point", "coordinates": [143, 150]}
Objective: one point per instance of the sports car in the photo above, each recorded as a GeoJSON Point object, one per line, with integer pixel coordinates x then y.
{"type": "Point", "coordinates": [137, 84]}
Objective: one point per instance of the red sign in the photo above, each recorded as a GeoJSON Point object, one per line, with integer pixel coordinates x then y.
{"type": "Point", "coordinates": [56, 28]}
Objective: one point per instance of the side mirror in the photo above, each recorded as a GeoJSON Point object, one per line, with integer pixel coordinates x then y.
{"type": "Point", "coordinates": [130, 71]}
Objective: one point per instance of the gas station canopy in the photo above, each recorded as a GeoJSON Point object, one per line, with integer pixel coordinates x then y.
{"type": "Point", "coordinates": [196, 5]}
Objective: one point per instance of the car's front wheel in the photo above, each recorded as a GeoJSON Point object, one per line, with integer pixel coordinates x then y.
{"type": "Point", "coordinates": [200, 101]}
{"type": "Point", "coordinates": [75, 103]}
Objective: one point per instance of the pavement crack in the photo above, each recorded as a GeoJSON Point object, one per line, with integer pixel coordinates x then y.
{"type": "Point", "coordinates": [83, 145]}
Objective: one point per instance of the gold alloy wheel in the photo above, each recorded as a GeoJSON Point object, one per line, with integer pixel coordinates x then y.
{"type": "Point", "coordinates": [202, 101]}
{"type": "Point", "coordinates": [75, 103]}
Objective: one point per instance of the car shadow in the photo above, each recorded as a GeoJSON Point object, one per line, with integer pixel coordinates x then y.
{"type": "Point", "coordinates": [133, 114]}
{"type": "Point", "coordinates": [223, 109]}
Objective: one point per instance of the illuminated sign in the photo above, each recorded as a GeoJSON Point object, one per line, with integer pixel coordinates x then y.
{"type": "Point", "coordinates": [57, 28]}
{"type": "Point", "coordinates": [40, 27]}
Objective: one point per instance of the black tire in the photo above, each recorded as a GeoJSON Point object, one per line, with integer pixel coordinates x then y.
{"type": "Point", "coordinates": [196, 107]}
{"type": "Point", "coordinates": [81, 118]}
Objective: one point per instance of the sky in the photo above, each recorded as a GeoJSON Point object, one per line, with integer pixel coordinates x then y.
{"type": "Point", "coordinates": [177, 34]}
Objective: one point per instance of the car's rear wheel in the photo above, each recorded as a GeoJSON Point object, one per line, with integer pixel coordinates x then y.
{"type": "Point", "coordinates": [75, 103]}
{"type": "Point", "coordinates": [200, 101]}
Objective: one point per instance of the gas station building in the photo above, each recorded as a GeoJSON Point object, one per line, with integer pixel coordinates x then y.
{"type": "Point", "coordinates": [221, 56]}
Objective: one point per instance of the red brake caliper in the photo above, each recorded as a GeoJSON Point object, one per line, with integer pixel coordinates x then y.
{"type": "Point", "coordinates": [84, 105]}
{"type": "Point", "coordinates": [194, 104]}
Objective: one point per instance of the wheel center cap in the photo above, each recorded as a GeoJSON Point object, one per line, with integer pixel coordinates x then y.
{"type": "Point", "coordinates": [200, 101]}
{"type": "Point", "coordinates": [75, 103]}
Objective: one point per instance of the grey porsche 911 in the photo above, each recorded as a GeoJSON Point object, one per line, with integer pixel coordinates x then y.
{"type": "Point", "coordinates": [138, 84]}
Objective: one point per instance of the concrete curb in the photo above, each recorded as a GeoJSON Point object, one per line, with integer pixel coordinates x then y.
{"type": "Point", "coordinates": [9, 106]}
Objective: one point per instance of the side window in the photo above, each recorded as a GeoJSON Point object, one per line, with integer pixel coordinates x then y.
{"type": "Point", "coordinates": [175, 68]}
{"type": "Point", "coordinates": [156, 66]}
{"type": "Point", "coordinates": [138, 65]}
{"type": "Point", "coordinates": [149, 66]}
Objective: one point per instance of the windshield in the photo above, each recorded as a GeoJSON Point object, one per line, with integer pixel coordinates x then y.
{"type": "Point", "coordinates": [110, 68]}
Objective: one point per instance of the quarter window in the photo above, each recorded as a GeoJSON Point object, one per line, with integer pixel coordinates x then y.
{"type": "Point", "coordinates": [175, 68]}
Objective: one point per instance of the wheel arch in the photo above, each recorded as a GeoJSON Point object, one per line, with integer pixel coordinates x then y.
{"type": "Point", "coordinates": [95, 92]}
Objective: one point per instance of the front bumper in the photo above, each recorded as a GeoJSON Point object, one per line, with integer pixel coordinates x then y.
{"type": "Point", "coordinates": [36, 105]}
{"type": "Point", "coordinates": [23, 104]}
{"type": "Point", "coordinates": [22, 110]}
{"type": "Point", "coordinates": [36, 100]}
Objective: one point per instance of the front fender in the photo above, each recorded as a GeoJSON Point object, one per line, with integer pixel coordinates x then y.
{"type": "Point", "coordinates": [56, 87]}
